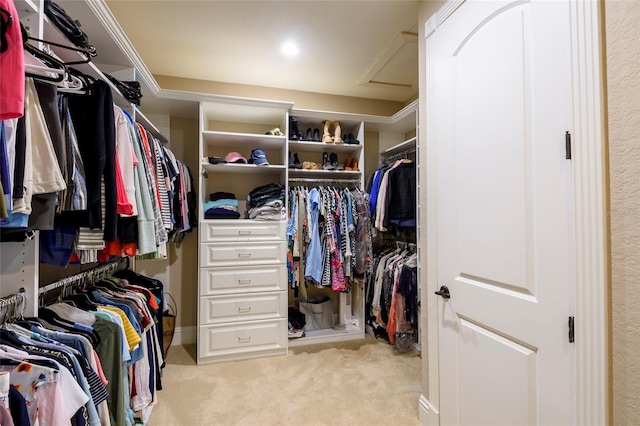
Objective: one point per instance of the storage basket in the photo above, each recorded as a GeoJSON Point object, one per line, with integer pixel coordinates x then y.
{"type": "Point", "coordinates": [168, 323]}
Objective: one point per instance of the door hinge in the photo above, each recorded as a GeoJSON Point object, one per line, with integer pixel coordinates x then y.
{"type": "Point", "coordinates": [567, 145]}
{"type": "Point", "coordinates": [571, 330]}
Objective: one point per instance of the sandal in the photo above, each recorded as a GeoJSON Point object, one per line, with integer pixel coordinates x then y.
{"type": "Point", "coordinates": [306, 165]}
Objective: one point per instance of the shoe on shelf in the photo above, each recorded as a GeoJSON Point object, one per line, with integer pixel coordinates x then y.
{"type": "Point", "coordinates": [353, 139]}
{"type": "Point", "coordinates": [313, 166]}
{"type": "Point", "coordinates": [294, 132]}
{"type": "Point", "coordinates": [347, 164]}
{"type": "Point", "coordinates": [294, 163]}
{"type": "Point", "coordinates": [274, 132]}
{"type": "Point", "coordinates": [354, 165]}
{"type": "Point", "coordinates": [326, 164]}
{"type": "Point", "coordinates": [316, 135]}
{"type": "Point", "coordinates": [333, 157]}
{"type": "Point", "coordinates": [309, 136]}
{"type": "Point", "coordinates": [306, 165]}
{"type": "Point", "coordinates": [337, 133]}
{"type": "Point", "coordinates": [326, 136]}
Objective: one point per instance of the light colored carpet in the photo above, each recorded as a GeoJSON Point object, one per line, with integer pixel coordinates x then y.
{"type": "Point", "coordinates": [361, 382]}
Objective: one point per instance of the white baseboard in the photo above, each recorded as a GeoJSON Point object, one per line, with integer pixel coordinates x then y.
{"type": "Point", "coordinates": [184, 336]}
{"type": "Point", "coordinates": [427, 414]}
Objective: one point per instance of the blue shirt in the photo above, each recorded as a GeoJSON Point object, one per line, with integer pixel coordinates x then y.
{"type": "Point", "coordinates": [313, 268]}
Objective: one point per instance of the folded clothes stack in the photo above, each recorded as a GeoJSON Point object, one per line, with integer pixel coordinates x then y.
{"type": "Point", "coordinates": [267, 202]}
{"type": "Point", "coordinates": [222, 205]}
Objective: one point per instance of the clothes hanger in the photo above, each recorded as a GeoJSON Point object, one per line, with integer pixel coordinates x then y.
{"type": "Point", "coordinates": [54, 65]}
{"type": "Point", "coordinates": [88, 54]}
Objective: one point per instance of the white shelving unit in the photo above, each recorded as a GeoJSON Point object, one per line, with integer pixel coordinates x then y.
{"type": "Point", "coordinates": [242, 299]}
{"type": "Point", "coordinates": [350, 306]}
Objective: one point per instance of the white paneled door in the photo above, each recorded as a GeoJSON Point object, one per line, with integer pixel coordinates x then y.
{"type": "Point", "coordinates": [504, 228]}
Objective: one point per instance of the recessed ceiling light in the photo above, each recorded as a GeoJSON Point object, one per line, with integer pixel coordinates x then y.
{"type": "Point", "coordinates": [290, 49]}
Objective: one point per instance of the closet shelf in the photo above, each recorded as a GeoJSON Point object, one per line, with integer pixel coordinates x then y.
{"type": "Point", "coordinates": [243, 168]}
{"type": "Point", "coordinates": [147, 124]}
{"type": "Point", "coordinates": [350, 332]}
{"type": "Point", "coordinates": [323, 174]}
{"type": "Point", "coordinates": [242, 140]}
{"type": "Point", "coordinates": [401, 147]}
{"type": "Point", "coordinates": [321, 146]}
{"type": "Point", "coordinates": [241, 220]}
{"type": "Point", "coordinates": [28, 6]}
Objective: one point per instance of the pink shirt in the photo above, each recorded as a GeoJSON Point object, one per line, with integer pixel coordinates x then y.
{"type": "Point", "coordinates": [12, 67]}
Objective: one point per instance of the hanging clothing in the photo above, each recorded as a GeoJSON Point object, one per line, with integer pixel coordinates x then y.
{"type": "Point", "coordinates": [322, 228]}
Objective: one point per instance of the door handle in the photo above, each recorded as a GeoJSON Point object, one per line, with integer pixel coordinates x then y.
{"type": "Point", "coordinates": [444, 292]}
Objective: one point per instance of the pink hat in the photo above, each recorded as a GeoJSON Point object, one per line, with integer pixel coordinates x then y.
{"type": "Point", "coordinates": [234, 157]}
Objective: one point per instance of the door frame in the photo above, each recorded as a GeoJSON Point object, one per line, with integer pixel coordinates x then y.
{"type": "Point", "coordinates": [591, 303]}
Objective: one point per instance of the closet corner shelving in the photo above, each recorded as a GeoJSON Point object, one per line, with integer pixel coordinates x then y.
{"type": "Point", "coordinates": [313, 150]}
{"type": "Point", "coordinates": [242, 299]}
{"type": "Point", "coordinates": [398, 139]}
{"type": "Point", "coordinates": [350, 306]}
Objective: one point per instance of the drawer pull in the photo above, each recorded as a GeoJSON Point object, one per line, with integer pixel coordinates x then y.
{"type": "Point", "coordinates": [244, 339]}
{"type": "Point", "coordinates": [244, 255]}
{"type": "Point", "coordinates": [244, 232]}
{"type": "Point", "coordinates": [244, 310]}
{"type": "Point", "coordinates": [245, 281]}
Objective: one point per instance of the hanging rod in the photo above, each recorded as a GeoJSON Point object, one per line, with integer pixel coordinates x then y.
{"type": "Point", "coordinates": [96, 273]}
{"type": "Point", "coordinates": [325, 180]}
{"type": "Point", "coordinates": [399, 155]}
{"type": "Point", "coordinates": [13, 304]}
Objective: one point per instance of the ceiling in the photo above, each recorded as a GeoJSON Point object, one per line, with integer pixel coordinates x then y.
{"type": "Point", "coordinates": [366, 49]}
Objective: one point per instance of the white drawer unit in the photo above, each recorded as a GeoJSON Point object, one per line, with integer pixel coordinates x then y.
{"type": "Point", "coordinates": [244, 230]}
{"type": "Point", "coordinates": [251, 339]}
{"type": "Point", "coordinates": [242, 275]}
{"type": "Point", "coordinates": [248, 279]}
{"type": "Point", "coordinates": [251, 253]}
{"type": "Point", "coordinates": [224, 309]}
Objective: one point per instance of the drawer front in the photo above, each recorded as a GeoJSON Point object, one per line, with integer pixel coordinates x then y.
{"type": "Point", "coordinates": [221, 340]}
{"type": "Point", "coordinates": [242, 230]}
{"type": "Point", "coordinates": [250, 279]}
{"type": "Point", "coordinates": [254, 253]}
{"type": "Point", "coordinates": [221, 309]}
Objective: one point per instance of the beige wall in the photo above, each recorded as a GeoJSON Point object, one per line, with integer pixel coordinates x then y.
{"type": "Point", "coordinates": [622, 31]}
{"type": "Point", "coordinates": [303, 100]}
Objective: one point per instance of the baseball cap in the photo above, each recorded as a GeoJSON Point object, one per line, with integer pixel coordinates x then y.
{"type": "Point", "coordinates": [216, 160]}
{"type": "Point", "coordinates": [234, 157]}
{"type": "Point", "coordinates": [259, 158]}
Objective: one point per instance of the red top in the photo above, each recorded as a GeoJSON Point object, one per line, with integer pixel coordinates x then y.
{"type": "Point", "coordinates": [11, 66]}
